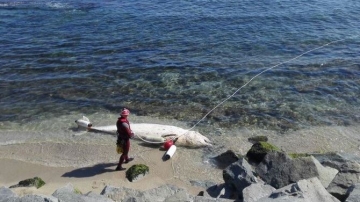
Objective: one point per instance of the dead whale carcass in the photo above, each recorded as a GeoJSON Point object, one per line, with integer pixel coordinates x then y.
{"type": "Point", "coordinates": [153, 133]}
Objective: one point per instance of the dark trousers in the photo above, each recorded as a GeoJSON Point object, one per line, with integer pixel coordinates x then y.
{"type": "Point", "coordinates": [124, 156]}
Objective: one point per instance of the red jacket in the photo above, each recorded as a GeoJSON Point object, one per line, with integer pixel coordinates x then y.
{"type": "Point", "coordinates": [123, 128]}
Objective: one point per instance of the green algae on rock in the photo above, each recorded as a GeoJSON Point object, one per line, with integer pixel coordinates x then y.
{"type": "Point", "coordinates": [136, 172]}
{"type": "Point", "coordinates": [32, 182]}
{"type": "Point", "coordinates": [258, 151]}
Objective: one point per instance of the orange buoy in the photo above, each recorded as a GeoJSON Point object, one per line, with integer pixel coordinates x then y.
{"type": "Point", "coordinates": [168, 144]}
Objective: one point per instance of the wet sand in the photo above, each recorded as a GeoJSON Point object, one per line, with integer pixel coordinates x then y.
{"type": "Point", "coordinates": [176, 171]}
{"type": "Point", "coordinates": [53, 161]}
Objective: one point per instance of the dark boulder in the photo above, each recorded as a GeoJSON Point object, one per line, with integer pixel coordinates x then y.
{"type": "Point", "coordinates": [279, 170]}
{"type": "Point", "coordinates": [239, 175]}
{"type": "Point", "coordinates": [225, 159]}
{"type": "Point", "coordinates": [258, 151]}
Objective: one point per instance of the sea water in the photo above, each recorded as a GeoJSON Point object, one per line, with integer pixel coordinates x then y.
{"type": "Point", "coordinates": [286, 69]}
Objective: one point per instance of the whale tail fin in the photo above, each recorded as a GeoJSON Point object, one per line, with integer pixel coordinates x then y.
{"type": "Point", "coordinates": [83, 122]}
{"type": "Point", "coordinates": [85, 118]}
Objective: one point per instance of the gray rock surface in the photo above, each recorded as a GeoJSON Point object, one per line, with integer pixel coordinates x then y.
{"type": "Point", "coordinates": [336, 159]}
{"type": "Point", "coordinates": [162, 193]}
{"type": "Point", "coordinates": [309, 190]}
{"type": "Point", "coordinates": [256, 191]}
{"type": "Point", "coordinates": [6, 193]}
{"type": "Point", "coordinates": [326, 174]}
{"type": "Point", "coordinates": [239, 175]}
{"type": "Point", "coordinates": [69, 194]}
{"type": "Point", "coordinates": [32, 198]}
{"type": "Point", "coordinates": [353, 193]}
{"type": "Point", "coordinates": [225, 159]}
{"type": "Point", "coordinates": [208, 199]}
{"type": "Point", "coordinates": [348, 175]}
{"type": "Point", "coordinates": [279, 170]}
{"type": "Point", "coordinates": [118, 193]}
{"type": "Point", "coordinates": [221, 191]}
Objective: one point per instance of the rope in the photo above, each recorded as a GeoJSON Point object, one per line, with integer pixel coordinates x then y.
{"type": "Point", "coordinates": [254, 77]}
{"type": "Point", "coordinates": [266, 70]}
{"type": "Point", "coordinates": [235, 92]}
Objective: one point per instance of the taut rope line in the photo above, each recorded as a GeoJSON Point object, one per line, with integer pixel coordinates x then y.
{"type": "Point", "coordinates": [254, 77]}
{"type": "Point", "coordinates": [267, 69]}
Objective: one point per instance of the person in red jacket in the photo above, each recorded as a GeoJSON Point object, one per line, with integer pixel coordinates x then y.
{"type": "Point", "coordinates": [124, 134]}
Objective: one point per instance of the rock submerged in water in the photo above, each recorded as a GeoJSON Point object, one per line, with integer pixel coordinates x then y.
{"type": "Point", "coordinates": [32, 182]}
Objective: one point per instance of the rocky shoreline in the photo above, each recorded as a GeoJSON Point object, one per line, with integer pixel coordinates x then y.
{"type": "Point", "coordinates": [264, 174]}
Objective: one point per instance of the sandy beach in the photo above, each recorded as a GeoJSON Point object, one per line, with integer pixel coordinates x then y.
{"type": "Point", "coordinates": [52, 161]}
{"type": "Point", "coordinates": [95, 177]}
{"type": "Point", "coordinates": [84, 179]}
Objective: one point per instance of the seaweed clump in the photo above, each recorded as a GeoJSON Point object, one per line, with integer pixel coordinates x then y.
{"type": "Point", "coordinates": [136, 172]}
{"type": "Point", "coordinates": [32, 182]}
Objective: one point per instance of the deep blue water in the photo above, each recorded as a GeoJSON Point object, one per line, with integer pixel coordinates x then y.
{"type": "Point", "coordinates": [179, 59]}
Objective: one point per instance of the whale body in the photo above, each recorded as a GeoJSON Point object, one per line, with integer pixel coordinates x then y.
{"type": "Point", "coordinates": [153, 133]}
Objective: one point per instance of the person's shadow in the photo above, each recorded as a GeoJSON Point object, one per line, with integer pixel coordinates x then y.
{"type": "Point", "coordinates": [90, 171]}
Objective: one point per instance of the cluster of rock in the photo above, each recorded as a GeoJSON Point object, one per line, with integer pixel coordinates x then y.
{"type": "Point", "coordinates": [68, 193]}
{"type": "Point", "coordinates": [265, 174]}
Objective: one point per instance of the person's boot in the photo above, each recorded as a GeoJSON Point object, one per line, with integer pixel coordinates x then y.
{"type": "Point", "coordinates": [120, 168]}
{"type": "Point", "coordinates": [128, 160]}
